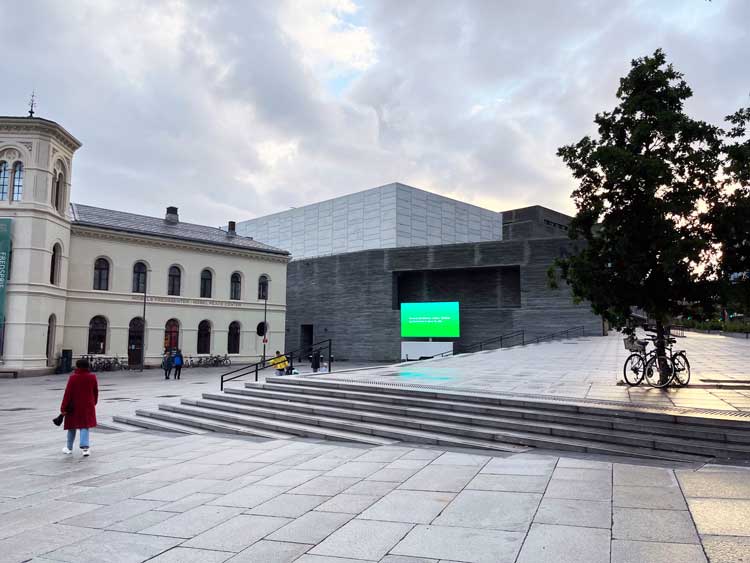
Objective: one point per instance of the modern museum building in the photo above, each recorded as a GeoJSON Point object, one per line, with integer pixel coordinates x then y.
{"type": "Point", "coordinates": [473, 274]}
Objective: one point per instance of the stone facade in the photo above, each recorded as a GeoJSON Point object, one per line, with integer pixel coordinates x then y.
{"type": "Point", "coordinates": [502, 286]}
{"type": "Point", "coordinates": [394, 215]}
{"type": "Point", "coordinates": [52, 298]}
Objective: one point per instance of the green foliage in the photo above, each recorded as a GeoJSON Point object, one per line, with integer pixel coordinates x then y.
{"type": "Point", "coordinates": [651, 187]}
{"type": "Point", "coordinates": [729, 326]}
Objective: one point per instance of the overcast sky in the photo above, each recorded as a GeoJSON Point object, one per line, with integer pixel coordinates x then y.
{"type": "Point", "coordinates": [231, 110]}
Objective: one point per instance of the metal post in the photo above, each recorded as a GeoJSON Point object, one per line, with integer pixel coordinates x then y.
{"type": "Point", "coordinates": [143, 344]}
{"type": "Point", "coordinates": [256, 372]}
{"type": "Point", "coordinates": [265, 325]}
{"type": "Point", "coordinates": [329, 356]}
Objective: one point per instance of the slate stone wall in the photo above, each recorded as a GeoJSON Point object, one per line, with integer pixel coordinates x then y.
{"type": "Point", "coordinates": [353, 298]}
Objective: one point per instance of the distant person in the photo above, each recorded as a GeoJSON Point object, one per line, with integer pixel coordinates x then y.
{"type": "Point", "coordinates": [166, 364]}
{"type": "Point", "coordinates": [178, 361]}
{"type": "Point", "coordinates": [79, 406]}
{"type": "Point", "coordinates": [279, 363]}
{"type": "Point", "coordinates": [315, 361]}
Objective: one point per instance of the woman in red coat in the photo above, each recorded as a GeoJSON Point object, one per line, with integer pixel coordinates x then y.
{"type": "Point", "coordinates": [79, 406]}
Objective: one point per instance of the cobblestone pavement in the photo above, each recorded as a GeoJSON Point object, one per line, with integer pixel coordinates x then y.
{"type": "Point", "coordinates": [588, 367]}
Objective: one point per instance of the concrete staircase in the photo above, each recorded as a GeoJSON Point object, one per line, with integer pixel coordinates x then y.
{"type": "Point", "coordinates": [382, 414]}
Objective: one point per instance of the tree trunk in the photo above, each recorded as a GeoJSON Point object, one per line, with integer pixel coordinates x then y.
{"type": "Point", "coordinates": [661, 353]}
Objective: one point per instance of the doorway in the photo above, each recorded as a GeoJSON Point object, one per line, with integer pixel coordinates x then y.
{"type": "Point", "coordinates": [51, 326]}
{"type": "Point", "coordinates": [135, 342]}
{"type": "Point", "coordinates": [305, 341]}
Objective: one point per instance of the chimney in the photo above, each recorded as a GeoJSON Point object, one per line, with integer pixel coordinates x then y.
{"type": "Point", "coordinates": [172, 217]}
{"type": "Point", "coordinates": [232, 229]}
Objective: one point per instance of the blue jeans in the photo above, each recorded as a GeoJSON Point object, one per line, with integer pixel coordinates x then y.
{"type": "Point", "coordinates": [83, 440]}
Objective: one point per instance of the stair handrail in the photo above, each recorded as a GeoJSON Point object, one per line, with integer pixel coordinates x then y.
{"type": "Point", "coordinates": [507, 336]}
{"type": "Point", "coordinates": [266, 362]}
{"type": "Point", "coordinates": [553, 335]}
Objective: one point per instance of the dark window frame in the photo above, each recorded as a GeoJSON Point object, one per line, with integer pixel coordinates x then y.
{"type": "Point", "coordinates": [101, 274]}
{"type": "Point", "coordinates": [97, 341]}
{"type": "Point", "coordinates": [204, 337]}
{"type": "Point", "coordinates": [233, 338]}
{"type": "Point", "coordinates": [140, 277]}
{"type": "Point", "coordinates": [263, 286]}
{"type": "Point", "coordinates": [207, 279]}
{"type": "Point", "coordinates": [174, 280]}
{"type": "Point", "coordinates": [235, 286]}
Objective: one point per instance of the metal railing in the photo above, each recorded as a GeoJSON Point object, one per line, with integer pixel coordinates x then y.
{"type": "Point", "coordinates": [254, 369]}
{"type": "Point", "coordinates": [559, 334]}
{"type": "Point", "coordinates": [503, 338]}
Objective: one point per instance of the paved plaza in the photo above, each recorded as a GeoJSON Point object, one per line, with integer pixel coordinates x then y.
{"type": "Point", "coordinates": [149, 496]}
{"type": "Point", "coordinates": [588, 367]}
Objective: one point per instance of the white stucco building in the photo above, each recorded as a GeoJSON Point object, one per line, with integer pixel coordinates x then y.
{"type": "Point", "coordinates": [390, 216]}
{"type": "Point", "coordinates": [76, 274]}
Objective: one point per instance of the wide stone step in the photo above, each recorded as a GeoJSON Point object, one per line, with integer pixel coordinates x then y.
{"type": "Point", "coordinates": [212, 425]}
{"type": "Point", "coordinates": [318, 426]}
{"type": "Point", "coordinates": [397, 393]}
{"type": "Point", "coordinates": [486, 427]}
{"type": "Point", "coordinates": [155, 424]}
{"type": "Point", "coordinates": [259, 423]}
{"type": "Point", "coordinates": [451, 432]}
{"type": "Point", "coordinates": [468, 413]}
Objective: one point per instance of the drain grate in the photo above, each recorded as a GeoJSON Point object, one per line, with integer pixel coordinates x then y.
{"type": "Point", "coordinates": [16, 409]}
{"type": "Point", "coordinates": [166, 396]}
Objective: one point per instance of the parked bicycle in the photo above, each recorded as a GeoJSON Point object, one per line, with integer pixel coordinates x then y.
{"type": "Point", "coordinates": [646, 364]}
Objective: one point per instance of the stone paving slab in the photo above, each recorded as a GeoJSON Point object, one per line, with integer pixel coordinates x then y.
{"type": "Point", "coordinates": [396, 504]}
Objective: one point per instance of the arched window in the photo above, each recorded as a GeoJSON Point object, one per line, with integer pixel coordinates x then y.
{"type": "Point", "coordinates": [54, 267]}
{"type": "Point", "coordinates": [263, 287]}
{"type": "Point", "coordinates": [17, 181]}
{"type": "Point", "coordinates": [206, 280]}
{"type": "Point", "coordinates": [233, 341]}
{"type": "Point", "coordinates": [58, 192]}
{"type": "Point", "coordinates": [4, 180]}
{"type": "Point", "coordinates": [174, 280]}
{"type": "Point", "coordinates": [204, 337]}
{"type": "Point", "coordinates": [172, 334]}
{"type": "Point", "coordinates": [235, 287]}
{"type": "Point", "coordinates": [139, 278]}
{"type": "Point", "coordinates": [101, 274]}
{"type": "Point", "coordinates": [262, 329]}
{"type": "Point", "coordinates": [97, 335]}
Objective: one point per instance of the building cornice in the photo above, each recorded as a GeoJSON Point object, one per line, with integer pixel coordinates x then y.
{"type": "Point", "coordinates": [166, 242]}
{"type": "Point", "coordinates": [36, 125]}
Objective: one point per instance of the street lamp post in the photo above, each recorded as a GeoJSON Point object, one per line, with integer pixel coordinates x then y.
{"type": "Point", "coordinates": [143, 343]}
{"type": "Point", "coordinates": [265, 325]}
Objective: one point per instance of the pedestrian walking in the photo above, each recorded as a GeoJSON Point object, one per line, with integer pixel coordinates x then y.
{"type": "Point", "coordinates": [279, 363]}
{"type": "Point", "coordinates": [166, 364]}
{"type": "Point", "coordinates": [315, 361]}
{"type": "Point", "coordinates": [79, 407]}
{"type": "Point", "coordinates": [178, 361]}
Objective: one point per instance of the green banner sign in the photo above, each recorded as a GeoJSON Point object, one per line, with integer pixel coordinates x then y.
{"type": "Point", "coordinates": [4, 263]}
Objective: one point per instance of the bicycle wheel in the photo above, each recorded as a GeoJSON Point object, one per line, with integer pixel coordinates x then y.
{"type": "Point", "coordinates": [681, 369]}
{"type": "Point", "coordinates": [633, 369]}
{"type": "Point", "coordinates": [653, 374]}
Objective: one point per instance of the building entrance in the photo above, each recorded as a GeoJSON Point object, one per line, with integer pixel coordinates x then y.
{"type": "Point", "coordinates": [305, 341]}
{"type": "Point", "coordinates": [135, 342]}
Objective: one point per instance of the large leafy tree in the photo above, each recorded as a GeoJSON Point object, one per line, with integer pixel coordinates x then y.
{"type": "Point", "coordinates": [731, 217]}
{"type": "Point", "coordinates": [648, 186]}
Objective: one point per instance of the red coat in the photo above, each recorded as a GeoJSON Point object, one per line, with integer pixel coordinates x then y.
{"type": "Point", "coordinates": [79, 401]}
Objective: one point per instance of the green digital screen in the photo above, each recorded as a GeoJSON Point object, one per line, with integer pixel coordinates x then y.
{"type": "Point", "coordinates": [430, 319]}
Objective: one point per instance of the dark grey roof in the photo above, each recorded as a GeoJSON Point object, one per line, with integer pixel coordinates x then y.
{"type": "Point", "coordinates": [88, 216]}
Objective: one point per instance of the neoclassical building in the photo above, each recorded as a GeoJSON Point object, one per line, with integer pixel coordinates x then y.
{"type": "Point", "coordinates": [79, 278]}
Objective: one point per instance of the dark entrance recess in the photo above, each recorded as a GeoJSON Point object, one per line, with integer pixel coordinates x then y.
{"type": "Point", "coordinates": [135, 342]}
{"type": "Point", "coordinates": [474, 288]}
{"type": "Point", "coordinates": [305, 340]}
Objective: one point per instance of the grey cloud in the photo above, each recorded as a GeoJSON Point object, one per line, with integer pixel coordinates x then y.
{"type": "Point", "coordinates": [469, 98]}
